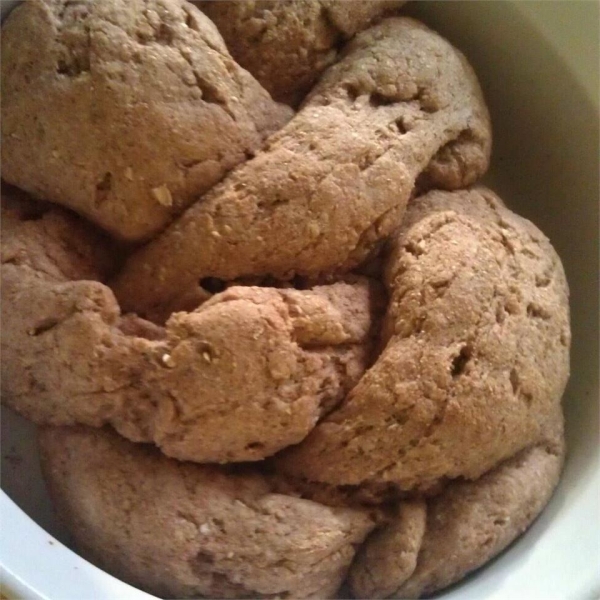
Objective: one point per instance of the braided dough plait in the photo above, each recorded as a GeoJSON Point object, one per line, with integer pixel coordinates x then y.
{"type": "Point", "coordinates": [181, 530]}
{"type": "Point", "coordinates": [287, 45]}
{"type": "Point", "coordinates": [466, 526]}
{"type": "Point", "coordinates": [333, 182]}
{"type": "Point", "coordinates": [245, 375]}
{"type": "Point", "coordinates": [124, 110]}
{"type": "Point", "coordinates": [476, 359]}
{"type": "Point", "coordinates": [388, 556]}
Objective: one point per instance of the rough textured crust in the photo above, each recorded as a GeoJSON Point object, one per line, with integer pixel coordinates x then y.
{"type": "Point", "coordinates": [182, 113]}
{"type": "Point", "coordinates": [55, 245]}
{"type": "Point", "coordinates": [180, 530]}
{"type": "Point", "coordinates": [472, 521]}
{"type": "Point", "coordinates": [333, 182]}
{"type": "Point", "coordinates": [248, 373]}
{"type": "Point", "coordinates": [274, 362]}
{"type": "Point", "coordinates": [287, 45]}
{"type": "Point", "coordinates": [388, 557]}
{"type": "Point", "coordinates": [477, 354]}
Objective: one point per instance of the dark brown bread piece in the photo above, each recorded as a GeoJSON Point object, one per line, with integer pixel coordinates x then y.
{"type": "Point", "coordinates": [287, 44]}
{"type": "Point", "coordinates": [245, 375]}
{"type": "Point", "coordinates": [477, 354]}
{"type": "Point", "coordinates": [181, 530]}
{"type": "Point", "coordinates": [333, 182]}
{"type": "Point", "coordinates": [124, 110]}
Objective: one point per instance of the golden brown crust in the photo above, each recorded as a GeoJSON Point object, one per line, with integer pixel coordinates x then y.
{"type": "Point", "coordinates": [181, 112]}
{"type": "Point", "coordinates": [332, 183]}
{"type": "Point", "coordinates": [477, 354]}
{"type": "Point", "coordinates": [287, 45]}
{"type": "Point", "coordinates": [181, 531]}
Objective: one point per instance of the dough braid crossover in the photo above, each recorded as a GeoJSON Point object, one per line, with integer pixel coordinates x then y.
{"type": "Point", "coordinates": [246, 374]}
{"type": "Point", "coordinates": [400, 104]}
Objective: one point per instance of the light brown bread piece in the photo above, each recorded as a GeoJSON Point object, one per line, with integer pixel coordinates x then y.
{"type": "Point", "coordinates": [389, 555]}
{"type": "Point", "coordinates": [477, 354]}
{"type": "Point", "coordinates": [248, 373]}
{"type": "Point", "coordinates": [54, 245]}
{"type": "Point", "coordinates": [125, 110]}
{"type": "Point", "coordinates": [471, 522]}
{"type": "Point", "coordinates": [287, 45]}
{"type": "Point", "coordinates": [180, 530]}
{"type": "Point", "coordinates": [333, 182]}
{"type": "Point", "coordinates": [252, 370]}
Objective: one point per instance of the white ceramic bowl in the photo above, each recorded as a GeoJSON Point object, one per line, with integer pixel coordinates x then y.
{"type": "Point", "coordinates": [538, 64]}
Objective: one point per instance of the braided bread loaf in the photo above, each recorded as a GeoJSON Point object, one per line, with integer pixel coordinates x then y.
{"type": "Point", "coordinates": [348, 359]}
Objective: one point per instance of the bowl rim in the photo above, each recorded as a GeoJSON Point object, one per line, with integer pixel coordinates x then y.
{"type": "Point", "coordinates": [40, 577]}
